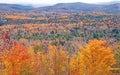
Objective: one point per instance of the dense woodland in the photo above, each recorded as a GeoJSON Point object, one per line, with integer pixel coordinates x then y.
{"type": "Point", "coordinates": [60, 44]}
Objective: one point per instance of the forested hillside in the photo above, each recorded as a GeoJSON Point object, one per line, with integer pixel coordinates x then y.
{"type": "Point", "coordinates": [65, 27]}
{"type": "Point", "coordinates": [43, 42]}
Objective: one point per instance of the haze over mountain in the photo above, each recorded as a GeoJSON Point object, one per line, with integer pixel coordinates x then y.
{"type": "Point", "coordinates": [111, 7]}
{"type": "Point", "coordinates": [108, 3]}
{"type": "Point", "coordinates": [81, 7]}
{"type": "Point", "coordinates": [9, 8]}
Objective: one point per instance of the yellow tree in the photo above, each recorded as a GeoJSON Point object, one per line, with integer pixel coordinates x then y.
{"type": "Point", "coordinates": [38, 62]}
{"type": "Point", "coordinates": [54, 62]}
{"type": "Point", "coordinates": [94, 59]}
{"type": "Point", "coordinates": [58, 60]}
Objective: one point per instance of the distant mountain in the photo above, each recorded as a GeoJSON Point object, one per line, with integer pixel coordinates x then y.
{"type": "Point", "coordinates": [108, 3]}
{"type": "Point", "coordinates": [9, 8]}
{"type": "Point", "coordinates": [113, 8]}
{"type": "Point", "coordinates": [63, 8]}
{"type": "Point", "coordinates": [81, 7]}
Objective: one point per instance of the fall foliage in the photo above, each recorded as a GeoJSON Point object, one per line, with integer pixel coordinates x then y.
{"type": "Point", "coordinates": [59, 44]}
{"type": "Point", "coordinates": [94, 59]}
{"type": "Point", "coordinates": [14, 59]}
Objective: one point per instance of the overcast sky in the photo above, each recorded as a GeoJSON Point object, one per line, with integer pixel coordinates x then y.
{"type": "Point", "coordinates": [51, 1]}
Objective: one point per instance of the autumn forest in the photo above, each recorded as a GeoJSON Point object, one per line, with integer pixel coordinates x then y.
{"type": "Point", "coordinates": [52, 43]}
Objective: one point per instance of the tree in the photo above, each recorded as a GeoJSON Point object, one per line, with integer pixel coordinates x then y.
{"type": "Point", "coordinates": [57, 60]}
{"type": "Point", "coordinates": [94, 59]}
{"type": "Point", "coordinates": [116, 49]}
{"type": "Point", "coordinates": [14, 59]}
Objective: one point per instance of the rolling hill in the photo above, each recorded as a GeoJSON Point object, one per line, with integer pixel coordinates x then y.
{"type": "Point", "coordinates": [9, 8]}
{"type": "Point", "coordinates": [63, 8]}
{"type": "Point", "coordinates": [81, 7]}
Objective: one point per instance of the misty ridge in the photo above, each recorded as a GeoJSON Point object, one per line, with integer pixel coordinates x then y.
{"type": "Point", "coordinates": [63, 7]}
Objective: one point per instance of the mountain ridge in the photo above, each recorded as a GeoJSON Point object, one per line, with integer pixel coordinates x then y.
{"type": "Point", "coordinates": [63, 8]}
{"type": "Point", "coordinates": [81, 7]}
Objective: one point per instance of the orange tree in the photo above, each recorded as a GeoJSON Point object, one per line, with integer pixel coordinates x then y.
{"type": "Point", "coordinates": [14, 58]}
